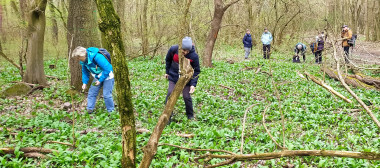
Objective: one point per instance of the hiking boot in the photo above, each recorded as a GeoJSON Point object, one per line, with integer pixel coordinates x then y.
{"type": "Point", "coordinates": [90, 111]}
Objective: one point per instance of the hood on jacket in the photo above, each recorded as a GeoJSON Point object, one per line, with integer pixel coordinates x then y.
{"type": "Point", "coordinates": [91, 53]}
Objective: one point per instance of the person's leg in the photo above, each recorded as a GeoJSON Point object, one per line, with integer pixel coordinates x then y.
{"type": "Point", "coordinates": [188, 102]}
{"type": "Point", "coordinates": [92, 94]}
{"type": "Point", "coordinates": [346, 54]}
{"type": "Point", "coordinates": [268, 51]}
{"type": "Point", "coordinates": [170, 90]}
{"type": "Point", "coordinates": [247, 51]}
{"type": "Point", "coordinates": [320, 56]}
{"type": "Point", "coordinates": [303, 56]}
{"type": "Point", "coordinates": [107, 94]}
{"type": "Point", "coordinates": [264, 51]}
{"type": "Point", "coordinates": [316, 57]}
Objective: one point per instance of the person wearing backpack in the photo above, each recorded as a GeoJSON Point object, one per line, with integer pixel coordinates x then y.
{"type": "Point", "coordinates": [319, 48]}
{"type": "Point", "coordinates": [247, 41]}
{"type": "Point", "coordinates": [266, 39]}
{"type": "Point", "coordinates": [172, 73]}
{"type": "Point", "coordinates": [299, 48]}
{"type": "Point", "coordinates": [96, 62]}
{"type": "Point", "coordinates": [346, 35]}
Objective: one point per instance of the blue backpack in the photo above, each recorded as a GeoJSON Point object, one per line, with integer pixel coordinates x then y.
{"type": "Point", "coordinates": [106, 54]}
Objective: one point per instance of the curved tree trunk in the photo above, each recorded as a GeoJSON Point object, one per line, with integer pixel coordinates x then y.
{"type": "Point", "coordinates": [36, 32]}
{"type": "Point", "coordinates": [145, 42]}
{"type": "Point", "coordinates": [216, 22]}
{"type": "Point", "coordinates": [82, 31]}
{"type": "Point", "coordinates": [110, 28]}
{"type": "Point", "coordinates": [54, 23]}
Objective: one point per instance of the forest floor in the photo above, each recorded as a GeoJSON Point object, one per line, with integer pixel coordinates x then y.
{"type": "Point", "coordinates": [314, 119]}
{"type": "Point", "coordinates": [367, 52]}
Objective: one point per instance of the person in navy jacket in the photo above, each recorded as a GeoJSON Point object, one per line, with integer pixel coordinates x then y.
{"type": "Point", "coordinates": [96, 64]}
{"type": "Point", "coordinates": [172, 72]}
{"type": "Point", "coordinates": [247, 41]}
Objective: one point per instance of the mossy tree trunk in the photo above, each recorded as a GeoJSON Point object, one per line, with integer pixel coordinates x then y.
{"type": "Point", "coordinates": [186, 73]}
{"type": "Point", "coordinates": [82, 31]}
{"type": "Point", "coordinates": [110, 28]}
{"type": "Point", "coordinates": [36, 32]}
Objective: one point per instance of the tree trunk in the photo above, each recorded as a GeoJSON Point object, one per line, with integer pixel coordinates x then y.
{"type": "Point", "coordinates": [145, 42]}
{"type": "Point", "coordinates": [110, 27]}
{"type": "Point", "coordinates": [23, 7]}
{"type": "Point", "coordinates": [36, 32]}
{"type": "Point", "coordinates": [54, 24]}
{"type": "Point", "coordinates": [216, 22]}
{"type": "Point", "coordinates": [81, 25]}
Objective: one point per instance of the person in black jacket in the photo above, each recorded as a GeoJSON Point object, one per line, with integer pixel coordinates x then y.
{"type": "Point", "coordinates": [172, 69]}
{"type": "Point", "coordinates": [247, 41]}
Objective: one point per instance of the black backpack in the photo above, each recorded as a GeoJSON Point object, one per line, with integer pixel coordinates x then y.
{"type": "Point", "coordinates": [351, 42]}
{"type": "Point", "coordinates": [296, 59]}
{"type": "Point", "coordinates": [106, 54]}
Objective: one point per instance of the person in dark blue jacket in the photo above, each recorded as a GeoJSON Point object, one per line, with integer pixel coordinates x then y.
{"type": "Point", "coordinates": [247, 41]}
{"type": "Point", "coordinates": [96, 64]}
{"type": "Point", "coordinates": [172, 72]}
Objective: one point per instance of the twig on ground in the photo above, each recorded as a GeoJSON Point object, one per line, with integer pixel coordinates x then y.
{"type": "Point", "coordinates": [192, 149]}
{"type": "Point", "coordinates": [232, 89]}
{"type": "Point", "coordinates": [242, 132]}
{"type": "Point", "coordinates": [266, 129]}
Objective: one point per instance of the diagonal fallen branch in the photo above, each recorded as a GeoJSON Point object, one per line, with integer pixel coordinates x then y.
{"type": "Point", "coordinates": [369, 111]}
{"type": "Point", "coordinates": [327, 87]}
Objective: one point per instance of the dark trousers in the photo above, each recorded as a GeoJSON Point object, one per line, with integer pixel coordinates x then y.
{"type": "Point", "coordinates": [302, 53]}
{"type": "Point", "coordinates": [266, 51]}
{"type": "Point", "coordinates": [346, 53]}
{"type": "Point", "coordinates": [186, 97]}
{"type": "Point", "coordinates": [318, 57]}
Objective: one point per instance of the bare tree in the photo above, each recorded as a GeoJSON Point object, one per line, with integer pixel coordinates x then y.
{"type": "Point", "coordinates": [36, 32]}
{"type": "Point", "coordinates": [219, 10]}
{"type": "Point", "coordinates": [81, 25]}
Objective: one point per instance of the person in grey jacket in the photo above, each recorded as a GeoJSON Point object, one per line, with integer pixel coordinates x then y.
{"type": "Point", "coordinates": [266, 39]}
{"type": "Point", "coordinates": [247, 41]}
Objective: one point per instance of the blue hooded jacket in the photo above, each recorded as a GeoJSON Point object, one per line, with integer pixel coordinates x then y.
{"type": "Point", "coordinates": [172, 65]}
{"type": "Point", "coordinates": [266, 38]}
{"type": "Point", "coordinates": [247, 40]}
{"type": "Point", "coordinates": [96, 64]}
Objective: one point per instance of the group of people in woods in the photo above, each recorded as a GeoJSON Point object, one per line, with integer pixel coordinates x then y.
{"type": "Point", "coordinates": [266, 39]}
{"type": "Point", "coordinates": [97, 63]}
{"type": "Point", "coordinates": [300, 49]}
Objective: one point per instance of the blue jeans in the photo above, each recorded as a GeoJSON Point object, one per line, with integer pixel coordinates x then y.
{"type": "Point", "coordinates": [186, 97]}
{"type": "Point", "coordinates": [107, 94]}
{"type": "Point", "coordinates": [247, 52]}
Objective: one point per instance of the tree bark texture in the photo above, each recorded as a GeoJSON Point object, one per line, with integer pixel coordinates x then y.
{"type": "Point", "coordinates": [110, 28]}
{"type": "Point", "coordinates": [219, 10]}
{"type": "Point", "coordinates": [36, 32]}
{"type": "Point", "coordinates": [82, 31]}
{"type": "Point", "coordinates": [145, 42]}
{"type": "Point", "coordinates": [186, 74]}
{"type": "Point", "coordinates": [54, 23]}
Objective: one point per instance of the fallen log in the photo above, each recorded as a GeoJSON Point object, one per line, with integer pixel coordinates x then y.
{"type": "Point", "coordinates": [28, 150]}
{"type": "Point", "coordinates": [349, 79]}
{"type": "Point", "coordinates": [327, 87]}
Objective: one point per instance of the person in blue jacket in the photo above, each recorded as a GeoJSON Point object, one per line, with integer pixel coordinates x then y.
{"type": "Point", "coordinates": [247, 41]}
{"type": "Point", "coordinates": [172, 72]}
{"type": "Point", "coordinates": [266, 39]}
{"type": "Point", "coordinates": [300, 48]}
{"type": "Point", "coordinates": [98, 65]}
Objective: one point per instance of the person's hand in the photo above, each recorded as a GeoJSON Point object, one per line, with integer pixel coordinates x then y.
{"type": "Point", "coordinates": [166, 76]}
{"type": "Point", "coordinates": [84, 86]}
{"type": "Point", "coordinates": [97, 83]}
{"type": "Point", "coordinates": [192, 89]}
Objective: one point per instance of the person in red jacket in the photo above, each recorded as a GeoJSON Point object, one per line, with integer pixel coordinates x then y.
{"type": "Point", "coordinates": [172, 72]}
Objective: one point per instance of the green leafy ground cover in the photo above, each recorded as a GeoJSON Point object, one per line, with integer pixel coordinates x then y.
{"type": "Point", "coordinates": [315, 119]}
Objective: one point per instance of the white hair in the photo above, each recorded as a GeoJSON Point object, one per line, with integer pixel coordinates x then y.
{"type": "Point", "coordinates": [79, 52]}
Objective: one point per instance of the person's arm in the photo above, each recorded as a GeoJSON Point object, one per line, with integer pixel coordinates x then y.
{"type": "Point", "coordinates": [85, 74]}
{"type": "Point", "coordinates": [169, 59]}
{"type": "Point", "coordinates": [104, 65]}
{"type": "Point", "coordinates": [244, 39]}
{"type": "Point", "coordinates": [197, 71]}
